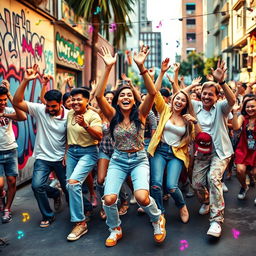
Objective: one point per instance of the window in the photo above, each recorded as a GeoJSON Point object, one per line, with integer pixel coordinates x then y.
{"type": "Point", "coordinates": [191, 22]}
{"type": "Point", "coordinates": [190, 8]}
{"type": "Point", "coordinates": [191, 37]}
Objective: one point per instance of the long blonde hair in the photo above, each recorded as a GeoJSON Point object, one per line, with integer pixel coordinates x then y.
{"type": "Point", "coordinates": [188, 136]}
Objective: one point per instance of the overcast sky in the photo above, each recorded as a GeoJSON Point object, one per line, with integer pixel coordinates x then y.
{"type": "Point", "coordinates": [165, 10]}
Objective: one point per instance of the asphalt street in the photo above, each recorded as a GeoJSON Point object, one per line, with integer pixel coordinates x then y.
{"type": "Point", "coordinates": [26, 238]}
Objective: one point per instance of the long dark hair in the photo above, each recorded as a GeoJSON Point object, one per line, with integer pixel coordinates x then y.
{"type": "Point", "coordinates": [243, 111]}
{"type": "Point", "coordinates": [118, 118]}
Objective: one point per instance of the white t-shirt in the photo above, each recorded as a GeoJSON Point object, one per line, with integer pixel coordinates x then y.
{"type": "Point", "coordinates": [172, 134]}
{"type": "Point", "coordinates": [50, 141]}
{"type": "Point", "coordinates": [7, 137]}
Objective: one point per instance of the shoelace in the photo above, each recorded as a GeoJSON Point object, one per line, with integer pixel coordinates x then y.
{"type": "Point", "coordinates": [113, 233]}
{"type": "Point", "coordinates": [157, 228]}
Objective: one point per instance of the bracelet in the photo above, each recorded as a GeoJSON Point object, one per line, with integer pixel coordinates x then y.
{"type": "Point", "coordinates": [143, 72]}
{"type": "Point", "coordinates": [222, 83]}
{"type": "Point", "coordinates": [195, 122]}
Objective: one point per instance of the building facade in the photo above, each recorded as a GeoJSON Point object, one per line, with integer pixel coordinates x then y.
{"type": "Point", "coordinates": [192, 27]}
{"type": "Point", "coordinates": [231, 34]}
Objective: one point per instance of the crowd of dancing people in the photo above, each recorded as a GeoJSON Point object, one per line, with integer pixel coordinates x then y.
{"type": "Point", "coordinates": [122, 141]}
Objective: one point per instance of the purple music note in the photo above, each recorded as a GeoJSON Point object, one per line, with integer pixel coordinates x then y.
{"type": "Point", "coordinates": [159, 25]}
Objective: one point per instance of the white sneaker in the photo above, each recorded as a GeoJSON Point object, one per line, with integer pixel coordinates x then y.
{"type": "Point", "coordinates": [242, 193]}
{"type": "Point", "coordinates": [133, 200]}
{"type": "Point", "coordinates": [204, 209]}
{"type": "Point", "coordinates": [214, 230]}
{"type": "Point", "coordinates": [115, 235]}
{"type": "Point", "coordinates": [224, 187]}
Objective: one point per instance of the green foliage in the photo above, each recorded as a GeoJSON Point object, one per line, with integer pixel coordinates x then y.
{"type": "Point", "coordinates": [193, 66]}
{"type": "Point", "coordinates": [210, 63]}
{"type": "Point", "coordinates": [119, 9]}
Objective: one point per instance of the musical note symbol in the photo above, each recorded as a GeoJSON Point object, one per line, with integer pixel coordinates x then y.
{"type": "Point", "coordinates": [112, 27]}
{"type": "Point", "coordinates": [20, 234]}
{"type": "Point", "coordinates": [184, 245]}
{"type": "Point", "coordinates": [26, 217]}
{"type": "Point", "coordinates": [90, 29]}
{"type": "Point", "coordinates": [236, 233]}
{"type": "Point", "coordinates": [159, 25]}
{"type": "Point", "coordinates": [98, 10]}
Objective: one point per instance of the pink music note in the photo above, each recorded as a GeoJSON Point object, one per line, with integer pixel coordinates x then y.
{"type": "Point", "coordinates": [236, 233]}
{"type": "Point", "coordinates": [159, 25]}
{"type": "Point", "coordinates": [90, 29]}
{"type": "Point", "coordinates": [112, 27]}
{"type": "Point", "coordinates": [183, 245]}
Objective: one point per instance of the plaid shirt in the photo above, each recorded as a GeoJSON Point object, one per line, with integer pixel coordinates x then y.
{"type": "Point", "coordinates": [106, 144]}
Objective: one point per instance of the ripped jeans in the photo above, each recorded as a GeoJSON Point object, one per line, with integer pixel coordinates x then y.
{"type": "Point", "coordinates": [80, 161]}
{"type": "Point", "coordinates": [165, 159]}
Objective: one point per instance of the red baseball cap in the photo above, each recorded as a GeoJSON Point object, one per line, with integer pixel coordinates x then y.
{"type": "Point", "coordinates": [203, 143]}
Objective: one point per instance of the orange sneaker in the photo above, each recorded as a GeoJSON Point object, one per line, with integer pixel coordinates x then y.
{"type": "Point", "coordinates": [159, 230]}
{"type": "Point", "coordinates": [115, 235]}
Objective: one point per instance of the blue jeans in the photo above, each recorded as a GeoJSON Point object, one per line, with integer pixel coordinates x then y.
{"type": "Point", "coordinates": [9, 163]}
{"type": "Point", "coordinates": [121, 165]}
{"type": "Point", "coordinates": [42, 190]}
{"type": "Point", "coordinates": [80, 161]}
{"type": "Point", "coordinates": [164, 158]}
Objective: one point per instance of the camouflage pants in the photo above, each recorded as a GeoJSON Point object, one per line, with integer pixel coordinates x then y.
{"type": "Point", "coordinates": [206, 180]}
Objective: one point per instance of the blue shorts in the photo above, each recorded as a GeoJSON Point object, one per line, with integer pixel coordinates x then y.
{"type": "Point", "coordinates": [9, 163]}
{"type": "Point", "coordinates": [123, 164]}
{"type": "Point", "coordinates": [103, 155]}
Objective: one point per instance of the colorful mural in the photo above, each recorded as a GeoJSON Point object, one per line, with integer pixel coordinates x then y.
{"type": "Point", "coordinates": [24, 42]}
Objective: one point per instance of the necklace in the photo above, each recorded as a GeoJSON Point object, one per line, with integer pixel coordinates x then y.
{"type": "Point", "coordinates": [126, 124]}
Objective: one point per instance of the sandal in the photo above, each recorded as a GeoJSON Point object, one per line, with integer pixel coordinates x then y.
{"type": "Point", "coordinates": [123, 209]}
{"type": "Point", "coordinates": [103, 215]}
{"type": "Point", "coordinates": [47, 223]}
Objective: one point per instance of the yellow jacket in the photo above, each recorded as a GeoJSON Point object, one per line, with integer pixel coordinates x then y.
{"type": "Point", "coordinates": [180, 151]}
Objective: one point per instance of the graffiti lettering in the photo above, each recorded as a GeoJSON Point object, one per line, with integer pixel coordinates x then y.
{"type": "Point", "coordinates": [68, 52]}
{"type": "Point", "coordinates": [20, 48]}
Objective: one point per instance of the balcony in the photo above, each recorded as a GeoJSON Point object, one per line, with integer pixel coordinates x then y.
{"type": "Point", "coordinates": [225, 12]}
{"type": "Point", "coordinates": [225, 43]}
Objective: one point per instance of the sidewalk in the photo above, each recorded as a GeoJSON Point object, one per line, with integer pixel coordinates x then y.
{"type": "Point", "coordinates": [137, 231]}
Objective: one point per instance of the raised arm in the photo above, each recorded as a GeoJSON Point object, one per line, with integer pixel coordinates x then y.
{"type": "Point", "coordinates": [195, 82]}
{"type": "Point", "coordinates": [109, 61]}
{"type": "Point", "coordinates": [249, 87]}
{"type": "Point", "coordinates": [5, 83]}
{"type": "Point", "coordinates": [18, 99]}
{"type": "Point", "coordinates": [147, 104]}
{"type": "Point", "coordinates": [218, 75]}
{"type": "Point", "coordinates": [237, 121]}
{"type": "Point", "coordinates": [133, 88]}
{"type": "Point", "coordinates": [45, 81]}
{"type": "Point", "coordinates": [164, 67]}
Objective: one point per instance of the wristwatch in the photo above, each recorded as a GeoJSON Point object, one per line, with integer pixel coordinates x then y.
{"type": "Point", "coordinates": [222, 83]}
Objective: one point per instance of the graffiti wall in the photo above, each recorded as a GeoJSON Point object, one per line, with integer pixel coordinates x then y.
{"type": "Point", "coordinates": [26, 38]}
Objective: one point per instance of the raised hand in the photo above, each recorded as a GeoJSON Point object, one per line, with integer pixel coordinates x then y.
{"type": "Point", "coordinates": [210, 77]}
{"type": "Point", "coordinates": [108, 59]}
{"type": "Point", "coordinates": [6, 84]}
{"type": "Point", "coordinates": [176, 67]}
{"type": "Point", "coordinates": [236, 108]}
{"type": "Point", "coordinates": [165, 65]}
{"type": "Point", "coordinates": [141, 56]}
{"type": "Point", "coordinates": [219, 73]}
{"type": "Point", "coordinates": [70, 81]}
{"type": "Point", "coordinates": [46, 79]}
{"type": "Point", "coordinates": [31, 73]}
{"type": "Point", "coordinates": [197, 80]}
{"type": "Point", "coordinates": [170, 79]}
